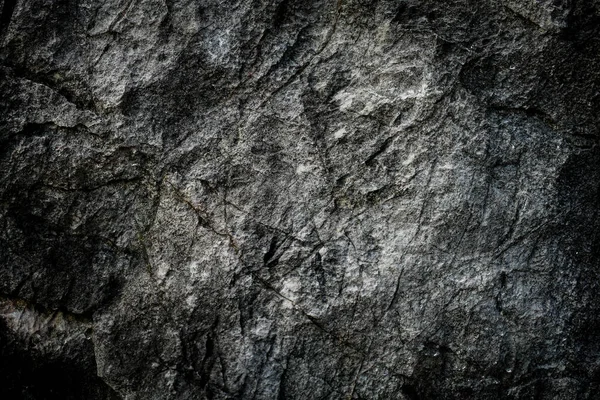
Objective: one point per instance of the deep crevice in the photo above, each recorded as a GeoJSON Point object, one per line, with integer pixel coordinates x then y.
{"type": "Point", "coordinates": [7, 12]}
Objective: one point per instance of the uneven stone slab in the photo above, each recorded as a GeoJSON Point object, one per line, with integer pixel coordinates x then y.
{"type": "Point", "coordinates": [341, 199]}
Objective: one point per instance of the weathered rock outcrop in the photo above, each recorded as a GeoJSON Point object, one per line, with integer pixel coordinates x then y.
{"type": "Point", "coordinates": [279, 199]}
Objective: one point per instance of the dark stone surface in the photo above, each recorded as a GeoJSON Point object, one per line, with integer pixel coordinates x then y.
{"type": "Point", "coordinates": [282, 199]}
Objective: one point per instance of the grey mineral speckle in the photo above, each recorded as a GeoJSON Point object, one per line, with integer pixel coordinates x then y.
{"type": "Point", "coordinates": [280, 199]}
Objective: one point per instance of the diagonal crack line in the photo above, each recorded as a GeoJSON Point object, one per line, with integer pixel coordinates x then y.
{"type": "Point", "coordinates": [265, 225]}
{"type": "Point", "coordinates": [20, 72]}
{"type": "Point", "coordinates": [364, 355]}
{"type": "Point", "coordinates": [304, 66]}
{"type": "Point", "coordinates": [202, 215]}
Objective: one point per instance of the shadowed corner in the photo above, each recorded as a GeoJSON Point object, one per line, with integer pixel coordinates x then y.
{"type": "Point", "coordinates": [27, 374]}
{"type": "Point", "coordinates": [579, 199]}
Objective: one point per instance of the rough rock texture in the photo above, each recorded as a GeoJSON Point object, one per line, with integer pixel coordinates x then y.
{"type": "Point", "coordinates": [316, 199]}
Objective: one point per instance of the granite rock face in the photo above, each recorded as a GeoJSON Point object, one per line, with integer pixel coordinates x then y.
{"type": "Point", "coordinates": [279, 199]}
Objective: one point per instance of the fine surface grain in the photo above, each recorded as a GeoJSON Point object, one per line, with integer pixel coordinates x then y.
{"type": "Point", "coordinates": [279, 199]}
